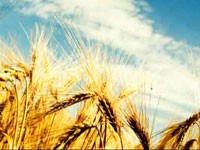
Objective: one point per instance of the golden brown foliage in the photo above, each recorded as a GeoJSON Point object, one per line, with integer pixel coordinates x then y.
{"type": "Point", "coordinates": [36, 97]}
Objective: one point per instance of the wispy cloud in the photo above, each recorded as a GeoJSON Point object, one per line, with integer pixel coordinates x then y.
{"type": "Point", "coordinates": [122, 24]}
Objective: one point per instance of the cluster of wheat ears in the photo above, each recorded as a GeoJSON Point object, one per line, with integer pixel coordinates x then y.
{"type": "Point", "coordinates": [35, 98]}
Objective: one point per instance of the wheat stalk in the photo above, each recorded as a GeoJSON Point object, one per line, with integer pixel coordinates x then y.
{"type": "Point", "coordinates": [134, 123]}
{"type": "Point", "coordinates": [72, 134]}
{"type": "Point", "coordinates": [175, 133]}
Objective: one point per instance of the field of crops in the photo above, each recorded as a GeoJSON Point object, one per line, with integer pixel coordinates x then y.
{"type": "Point", "coordinates": [36, 95]}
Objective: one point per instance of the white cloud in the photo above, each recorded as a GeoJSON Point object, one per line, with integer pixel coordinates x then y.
{"type": "Point", "coordinates": [121, 24]}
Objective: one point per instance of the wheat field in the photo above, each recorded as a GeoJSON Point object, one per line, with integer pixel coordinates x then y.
{"type": "Point", "coordinates": [39, 96]}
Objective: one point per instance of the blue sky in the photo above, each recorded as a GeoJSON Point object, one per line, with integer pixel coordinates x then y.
{"type": "Point", "coordinates": [174, 18]}
{"type": "Point", "coordinates": [179, 19]}
{"type": "Point", "coordinates": [160, 35]}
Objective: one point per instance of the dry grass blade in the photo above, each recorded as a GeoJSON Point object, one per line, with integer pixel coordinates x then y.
{"type": "Point", "coordinates": [108, 111]}
{"type": "Point", "coordinates": [174, 134]}
{"type": "Point", "coordinates": [62, 105]}
{"type": "Point", "coordinates": [72, 134]}
{"type": "Point", "coordinates": [70, 101]}
{"type": "Point", "coordinates": [8, 138]}
{"type": "Point", "coordinates": [125, 93]}
{"type": "Point", "coordinates": [134, 123]}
